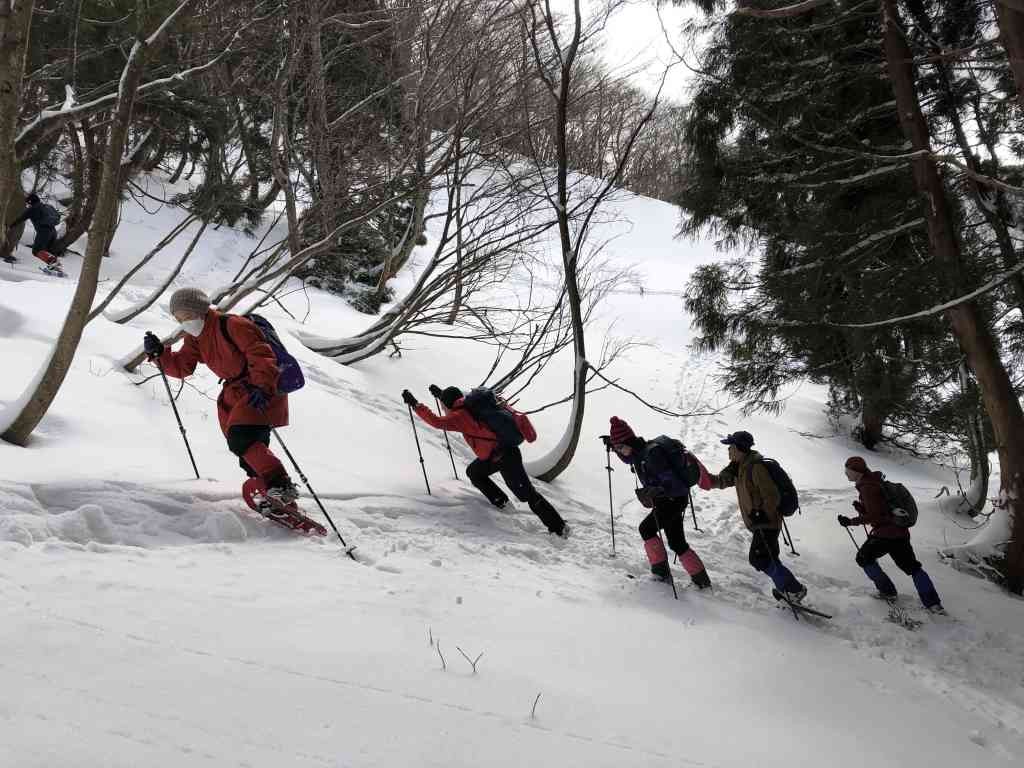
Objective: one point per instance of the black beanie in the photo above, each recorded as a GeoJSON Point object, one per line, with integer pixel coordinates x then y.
{"type": "Point", "coordinates": [449, 395]}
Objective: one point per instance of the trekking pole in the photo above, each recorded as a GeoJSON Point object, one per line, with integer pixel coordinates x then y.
{"type": "Point", "coordinates": [693, 511]}
{"type": "Point", "coordinates": [423, 465]}
{"type": "Point", "coordinates": [181, 426]}
{"type": "Point", "coordinates": [611, 505]}
{"type": "Point", "coordinates": [305, 480]}
{"type": "Point", "coordinates": [771, 554]}
{"type": "Point", "coordinates": [446, 442]}
{"type": "Point", "coordinates": [850, 534]}
{"type": "Point", "coordinates": [788, 538]}
{"type": "Point", "coordinates": [671, 578]}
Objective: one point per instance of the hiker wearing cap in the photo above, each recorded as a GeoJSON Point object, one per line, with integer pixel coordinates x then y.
{"type": "Point", "coordinates": [492, 454]}
{"type": "Point", "coordinates": [886, 537]}
{"type": "Point", "coordinates": [44, 218]}
{"type": "Point", "coordinates": [666, 471]}
{"type": "Point", "coordinates": [249, 403]}
{"type": "Point", "coordinates": [758, 498]}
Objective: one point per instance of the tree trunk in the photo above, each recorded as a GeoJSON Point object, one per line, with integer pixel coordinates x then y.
{"type": "Point", "coordinates": [80, 220]}
{"type": "Point", "coordinates": [14, 32]}
{"type": "Point", "coordinates": [66, 345]}
{"type": "Point", "coordinates": [1011, 34]}
{"type": "Point", "coordinates": [969, 327]}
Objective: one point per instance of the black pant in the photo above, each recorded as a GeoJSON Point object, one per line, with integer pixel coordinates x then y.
{"type": "Point", "coordinates": [240, 439]}
{"type": "Point", "coordinates": [669, 513]}
{"type": "Point", "coordinates": [45, 238]}
{"type": "Point", "coordinates": [764, 550]}
{"type": "Point", "coordinates": [900, 550]}
{"type": "Point", "coordinates": [510, 464]}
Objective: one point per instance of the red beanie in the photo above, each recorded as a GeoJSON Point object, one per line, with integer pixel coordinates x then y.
{"type": "Point", "coordinates": [857, 464]}
{"type": "Point", "coordinates": [620, 432]}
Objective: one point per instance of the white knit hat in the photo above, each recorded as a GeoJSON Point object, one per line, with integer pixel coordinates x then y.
{"type": "Point", "coordinates": [190, 300]}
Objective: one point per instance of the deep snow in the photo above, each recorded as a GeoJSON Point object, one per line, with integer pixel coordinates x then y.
{"type": "Point", "coordinates": [151, 619]}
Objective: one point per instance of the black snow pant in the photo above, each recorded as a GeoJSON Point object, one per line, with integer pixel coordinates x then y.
{"type": "Point", "coordinates": [510, 464]}
{"type": "Point", "coordinates": [900, 550]}
{"type": "Point", "coordinates": [45, 238]}
{"type": "Point", "coordinates": [241, 437]}
{"type": "Point", "coordinates": [670, 513]}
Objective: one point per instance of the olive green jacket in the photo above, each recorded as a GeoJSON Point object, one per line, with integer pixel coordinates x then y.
{"type": "Point", "coordinates": [755, 489]}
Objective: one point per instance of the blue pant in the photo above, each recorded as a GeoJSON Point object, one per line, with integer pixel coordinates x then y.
{"type": "Point", "coordinates": [764, 556]}
{"type": "Point", "coordinates": [902, 554]}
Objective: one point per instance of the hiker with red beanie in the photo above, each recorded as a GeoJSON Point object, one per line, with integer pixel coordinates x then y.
{"type": "Point", "coordinates": [666, 471]}
{"type": "Point", "coordinates": [491, 455]}
{"type": "Point", "coordinates": [234, 348]}
{"type": "Point", "coordinates": [886, 537]}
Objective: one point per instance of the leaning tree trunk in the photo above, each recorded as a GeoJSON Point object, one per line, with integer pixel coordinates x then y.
{"type": "Point", "coordinates": [969, 327]}
{"type": "Point", "coordinates": [64, 349]}
{"type": "Point", "coordinates": [15, 21]}
{"type": "Point", "coordinates": [80, 219]}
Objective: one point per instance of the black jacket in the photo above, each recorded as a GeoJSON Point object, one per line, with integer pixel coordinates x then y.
{"type": "Point", "coordinates": [40, 214]}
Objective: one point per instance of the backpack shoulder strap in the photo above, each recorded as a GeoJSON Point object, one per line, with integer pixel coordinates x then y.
{"type": "Point", "coordinates": [227, 334]}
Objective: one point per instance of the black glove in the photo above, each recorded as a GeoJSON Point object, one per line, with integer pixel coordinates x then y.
{"type": "Point", "coordinates": [153, 346]}
{"type": "Point", "coordinates": [607, 440]}
{"type": "Point", "coordinates": [409, 398]}
{"type": "Point", "coordinates": [759, 521]}
{"type": "Point", "coordinates": [258, 399]}
{"type": "Point", "coordinates": [434, 390]}
{"type": "Point", "coordinates": [858, 506]}
{"type": "Point", "coordinates": [844, 521]}
{"type": "Point", "coordinates": [647, 496]}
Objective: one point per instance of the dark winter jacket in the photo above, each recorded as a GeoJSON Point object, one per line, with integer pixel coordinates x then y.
{"type": "Point", "coordinates": [875, 509]}
{"type": "Point", "coordinates": [40, 214]}
{"type": "Point", "coordinates": [755, 489]}
{"type": "Point", "coordinates": [656, 468]}
{"type": "Point", "coordinates": [249, 360]}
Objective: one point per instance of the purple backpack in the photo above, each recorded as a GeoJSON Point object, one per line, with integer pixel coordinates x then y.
{"type": "Point", "coordinates": [289, 377]}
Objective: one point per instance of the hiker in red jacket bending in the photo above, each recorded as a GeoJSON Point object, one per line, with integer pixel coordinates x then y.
{"type": "Point", "coordinates": [249, 403]}
{"type": "Point", "coordinates": [492, 455]}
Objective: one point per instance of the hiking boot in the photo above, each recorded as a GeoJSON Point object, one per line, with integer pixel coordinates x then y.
{"type": "Point", "coordinates": [884, 596]}
{"type": "Point", "coordinates": [701, 580]}
{"type": "Point", "coordinates": [10, 260]}
{"type": "Point", "coordinates": [500, 503]}
{"type": "Point", "coordinates": [661, 571]}
{"type": "Point", "coordinates": [283, 492]}
{"type": "Point", "coordinates": [797, 596]}
{"type": "Point", "coordinates": [564, 533]}
{"type": "Point", "coordinates": [937, 609]}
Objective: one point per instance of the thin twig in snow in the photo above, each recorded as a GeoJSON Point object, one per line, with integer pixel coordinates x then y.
{"type": "Point", "coordinates": [472, 662]}
{"type": "Point", "coordinates": [533, 710]}
{"type": "Point", "coordinates": [438, 647]}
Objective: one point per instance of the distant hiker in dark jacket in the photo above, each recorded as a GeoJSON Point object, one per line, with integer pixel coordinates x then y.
{"type": "Point", "coordinates": [45, 219]}
{"type": "Point", "coordinates": [758, 497]}
{"type": "Point", "coordinates": [885, 537]}
{"type": "Point", "coordinates": [490, 457]}
{"type": "Point", "coordinates": [249, 403]}
{"type": "Point", "coordinates": [666, 491]}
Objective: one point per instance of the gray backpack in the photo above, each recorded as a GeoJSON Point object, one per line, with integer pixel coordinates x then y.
{"type": "Point", "coordinates": [901, 503]}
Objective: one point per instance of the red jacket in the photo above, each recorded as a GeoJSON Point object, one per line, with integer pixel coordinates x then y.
{"type": "Point", "coordinates": [876, 510]}
{"type": "Point", "coordinates": [221, 357]}
{"type": "Point", "coordinates": [458, 419]}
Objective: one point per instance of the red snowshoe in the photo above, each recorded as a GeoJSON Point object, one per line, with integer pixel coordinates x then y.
{"type": "Point", "coordinates": [254, 491]}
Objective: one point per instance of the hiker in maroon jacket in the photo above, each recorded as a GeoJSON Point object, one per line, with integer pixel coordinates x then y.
{"type": "Point", "coordinates": [886, 537]}
{"type": "Point", "coordinates": [490, 457]}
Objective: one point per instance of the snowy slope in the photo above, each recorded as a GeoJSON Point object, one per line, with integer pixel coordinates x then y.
{"type": "Point", "coordinates": [151, 619]}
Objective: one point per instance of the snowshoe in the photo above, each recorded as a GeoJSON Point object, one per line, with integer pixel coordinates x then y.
{"type": "Point", "coordinates": [54, 270]}
{"type": "Point", "coordinates": [288, 515]}
{"type": "Point", "coordinates": [786, 602]}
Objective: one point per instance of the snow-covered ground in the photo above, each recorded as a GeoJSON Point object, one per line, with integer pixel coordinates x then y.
{"type": "Point", "coordinates": [151, 619]}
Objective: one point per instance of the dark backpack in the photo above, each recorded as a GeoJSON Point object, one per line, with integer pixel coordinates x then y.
{"type": "Point", "coordinates": [901, 502]}
{"type": "Point", "coordinates": [789, 501]}
{"type": "Point", "coordinates": [483, 406]}
{"type": "Point", "coordinates": [679, 459]}
{"type": "Point", "coordinates": [51, 216]}
{"type": "Point", "coordinates": [289, 376]}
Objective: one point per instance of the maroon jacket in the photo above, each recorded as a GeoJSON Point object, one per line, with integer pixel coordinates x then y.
{"type": "Point", "coordinates": [874, 510]}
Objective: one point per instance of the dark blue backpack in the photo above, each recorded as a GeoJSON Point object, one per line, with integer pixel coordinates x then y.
{"type": "Point", "coordinates": [289, 377]}
{"type": "Point", "coordinates": [483, 406]}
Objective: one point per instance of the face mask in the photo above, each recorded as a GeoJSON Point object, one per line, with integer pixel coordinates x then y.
{"type": "Point", "coordinates": [193, 327]}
